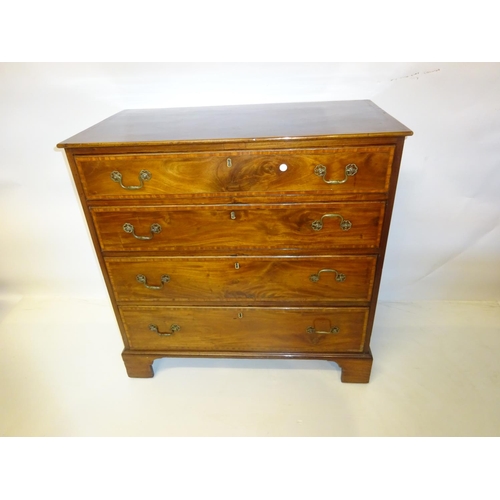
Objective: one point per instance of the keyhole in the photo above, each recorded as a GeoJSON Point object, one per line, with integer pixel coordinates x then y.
{"type": "Point", "coordinates": [283, 167]}
{"type": "Point", "coordinates": [233, 215]}
{"type": "Point", "coordinates": [236, 265]}
{"type": "Point", "coordinates": [240, 315]}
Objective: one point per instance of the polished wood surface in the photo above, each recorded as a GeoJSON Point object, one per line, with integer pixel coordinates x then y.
{"type": "Point", "coordinates": [356, 368]}
{"type": "Point", "coordinates": [247, 122]}
{"type": "Point", "coordinates": [235, 192]}
{"type": "Point", "coordinates": [245, 328]}
{"type": "Point", "coordinates": [262, 172]}
{"type": "Point", "coordinates": [237, 228]}
{"type": "Point", "coordinates": [243, 280]}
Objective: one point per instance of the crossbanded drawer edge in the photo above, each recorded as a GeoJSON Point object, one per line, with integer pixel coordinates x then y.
{"type": "Point", "coordinates": [251, 172]}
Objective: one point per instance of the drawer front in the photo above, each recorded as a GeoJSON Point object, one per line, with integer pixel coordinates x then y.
{"type": "Point", "coordinates": [242, 279]}
{"type": "Point", "coordinates": [339, 170]}
{"type": "Point", "coordinates": [245, 329]}
{"type": "Point", "coordinates": [240, 227]}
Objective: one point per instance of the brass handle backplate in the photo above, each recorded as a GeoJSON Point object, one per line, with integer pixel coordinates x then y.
{"type": "Point", "coordinates": [340, 277]}
{"type": "Point", "coordinates": [142, 279]}
{"type": "Point", "coordinates": [345, 224]}
{"type": "Point", "coordinates": [129, 228]}
{"type": "Point", "coordinates": [173, 329]}
{"type": "Point", "coordinates": [144, 175]}
{"type": "Point", "coordinates": [350, 170]}
{"type": "Point", "coordinates": [333, 330]}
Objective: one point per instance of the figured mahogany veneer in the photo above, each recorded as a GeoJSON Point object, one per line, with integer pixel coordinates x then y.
{"type": "Point", "coordinates": [243, 280]}
{"type": "Point", "coordinates": [245, 329]}
{"type": "Point", "coordinates": [252, 231]}
{"type": "Point", "coordinates": [252, 172]}
{"type": "Point", "coordinates": [239, 227]}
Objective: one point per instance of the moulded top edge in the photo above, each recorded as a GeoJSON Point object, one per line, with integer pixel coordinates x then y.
{"type": "Point", "coordinates": [245, 123]}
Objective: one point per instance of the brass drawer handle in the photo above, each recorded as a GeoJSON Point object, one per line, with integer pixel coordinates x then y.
{"type": "Point", "coordinates": [144, 175]}
{"type": "Point", "coordinates": [338, 276]}
{"type": "Point", "coordinates": [345, 224]}
{"type": "Point", "coordinates": [173, 329]}
{"type": "Point", "coordinates": [333, 330]}
{"type": "Point", "coordinates": [129, 228]}
{"type": "Point", "coordinates": [350, 170]}
{"type": "Point", "coordinates": [142, 279]}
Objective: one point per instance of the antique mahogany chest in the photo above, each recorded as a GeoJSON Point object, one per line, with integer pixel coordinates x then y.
{"type": "Point", "coordinates": [254, 231]}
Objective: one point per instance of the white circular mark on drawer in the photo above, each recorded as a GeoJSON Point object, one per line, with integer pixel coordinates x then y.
{"type": "Point", "coordinates": [283, 167]}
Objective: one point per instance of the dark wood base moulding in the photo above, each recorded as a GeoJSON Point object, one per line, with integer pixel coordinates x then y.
{"type": "Point", "coordinates": [356, 369]}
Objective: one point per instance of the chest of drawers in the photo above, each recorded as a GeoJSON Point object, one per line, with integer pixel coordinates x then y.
{"type": "Point", "coordinates": [254, 231]}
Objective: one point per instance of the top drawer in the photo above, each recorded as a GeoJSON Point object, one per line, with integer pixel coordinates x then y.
{"type": "Point", "coordinates": [347, 170]}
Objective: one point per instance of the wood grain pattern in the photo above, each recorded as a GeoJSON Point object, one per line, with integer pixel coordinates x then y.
{"type": "Point", "coordinates": [280, 227]}
{"type": "Point", "coordinates": [250, 172]}
{"type": "Point", "coordinates": [139, 365]}
{"type": "Point", "coordinates": [247, 123]}
{"type": "Point", "coordinates": [246, 329]}
{"type": "Point", "coordinates": [237, 242]}
{"type": "Point", "coordinates": [243, 280]}
{"type": "Point", "coordinates": [355, 368]}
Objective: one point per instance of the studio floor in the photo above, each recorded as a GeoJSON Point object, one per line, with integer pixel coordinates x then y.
{"type": "Point", "coordinates": [435, 373]}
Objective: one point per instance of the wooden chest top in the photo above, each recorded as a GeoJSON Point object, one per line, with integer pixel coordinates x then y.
{"type": "Point", "coordinates": [246, 123]}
